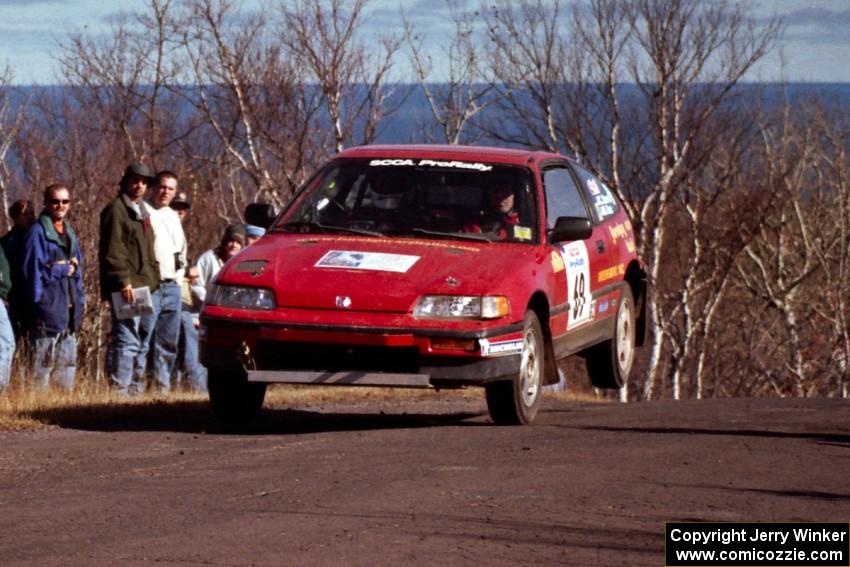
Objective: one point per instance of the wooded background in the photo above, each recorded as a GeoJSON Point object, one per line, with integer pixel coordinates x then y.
{"type": "Point", "coordinates": [739, 197]}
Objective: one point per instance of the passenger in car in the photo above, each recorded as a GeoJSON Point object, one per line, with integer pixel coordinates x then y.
{"type": "Point", "coordinates": [501, 216]}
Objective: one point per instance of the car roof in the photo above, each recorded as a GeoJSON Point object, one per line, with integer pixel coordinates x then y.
{"type": "Point", "coordinates": [444, 152]}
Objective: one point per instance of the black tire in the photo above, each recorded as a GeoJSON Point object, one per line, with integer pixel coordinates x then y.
{"type": "Point", "coordinates": [235, 401]}
{"type": "Point", "coordinates": [609, 363]}
{"type": "Point", "coordinates": [515, 402]}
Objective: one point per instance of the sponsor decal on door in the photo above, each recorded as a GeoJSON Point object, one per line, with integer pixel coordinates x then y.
{"type": "Point", "coordinates": [578, 283]}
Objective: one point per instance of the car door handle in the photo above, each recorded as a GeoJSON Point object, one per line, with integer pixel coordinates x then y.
{"type": "Point", "coordinates": [600, 246]}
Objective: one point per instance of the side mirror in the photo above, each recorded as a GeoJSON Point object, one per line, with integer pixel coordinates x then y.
{"type": "Point", "coordinates": [570, 228]}
{"type": "Point", "coordinates": [260, 214]}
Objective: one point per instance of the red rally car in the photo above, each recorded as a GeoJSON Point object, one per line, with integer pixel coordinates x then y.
{"type": "Point", "coordinates": [429, 266]}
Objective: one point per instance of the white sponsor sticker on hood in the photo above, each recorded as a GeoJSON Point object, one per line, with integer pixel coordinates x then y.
{"type": "Point", "coordinates": [367, 261]}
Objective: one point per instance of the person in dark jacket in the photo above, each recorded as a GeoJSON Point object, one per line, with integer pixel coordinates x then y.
{"type": "Point", "coordinates": [127, 262]}
{"type": "Point", "coordinates": [7, 339]}
{"type": "Point", "coordinates": [53, 267]}
{"type": "Point", "coordinates": [22, 214]}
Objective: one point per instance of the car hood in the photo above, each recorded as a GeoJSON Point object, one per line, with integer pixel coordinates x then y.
{"type": "Point", "coordinates": [371, 274]}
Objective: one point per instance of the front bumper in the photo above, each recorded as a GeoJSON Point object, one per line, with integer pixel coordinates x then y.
{"type": "Point", "coordinates": [342, 355]}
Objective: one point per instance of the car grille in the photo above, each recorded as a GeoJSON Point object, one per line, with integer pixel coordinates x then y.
{"type": "Point", "coordinates": [332, 358]}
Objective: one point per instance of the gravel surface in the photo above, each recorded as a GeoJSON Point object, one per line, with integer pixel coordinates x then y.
{"type": "Point", "coordinates": [412, 482]}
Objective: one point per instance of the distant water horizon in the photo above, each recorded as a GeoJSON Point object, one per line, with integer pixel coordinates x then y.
{"type": "Point", "coordinates": [412, 121]}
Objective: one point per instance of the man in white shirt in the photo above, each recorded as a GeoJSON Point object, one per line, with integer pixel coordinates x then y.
{"type": "Point", "coordinates": [170, 250]}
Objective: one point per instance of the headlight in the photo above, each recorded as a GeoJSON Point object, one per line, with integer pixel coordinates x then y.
{"type": "Point", "coordinates": [462, 306]}
{"type": "Point", "coordinates": [240, 297]}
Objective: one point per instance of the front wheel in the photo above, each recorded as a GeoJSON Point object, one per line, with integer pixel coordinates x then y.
{"type": "Point", "coordinates": [235, 401]}
{"type": "Point", "coordinates": [516, 402]}
{"type": "Point", "coordinates": [609, 363]}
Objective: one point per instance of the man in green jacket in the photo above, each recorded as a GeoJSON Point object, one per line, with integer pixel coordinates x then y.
{"type": "Point", "coordinates": [127, 262]}
{"type": "Point", "coordinates": [7, 338]}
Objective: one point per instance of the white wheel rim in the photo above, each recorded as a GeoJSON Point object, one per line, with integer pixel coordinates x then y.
{"type": "Point", "coordinates": [529, 374]}
{"type": "Point", "coordinates": [625, 338]}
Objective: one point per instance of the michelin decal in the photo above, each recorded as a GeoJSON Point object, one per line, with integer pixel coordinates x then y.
{"type": "Point", "coordinates": [500, 348]}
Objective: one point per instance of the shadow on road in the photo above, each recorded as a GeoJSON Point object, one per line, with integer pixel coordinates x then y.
{"type": "Point", "coordinates": [837, 439]}
{"type": "Point", "coordinates": [196, 417]}
{"type": "Point", "coordinates": [809, 494]}
{"type": "Point", "coordinates": [814, 495]}
{"type": "Point", "coordinates": [501, 531]}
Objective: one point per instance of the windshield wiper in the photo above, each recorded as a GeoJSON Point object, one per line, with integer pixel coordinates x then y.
{"type": "Point", "coordinates": [456, 235]}
{"type": "Point", "coordinates": [294, 226]}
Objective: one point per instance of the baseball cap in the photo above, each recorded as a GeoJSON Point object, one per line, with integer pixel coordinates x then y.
{"type": "Point", "coordinates": [252, 231]}
{"type": "Point", "coordinates": [181, 201]}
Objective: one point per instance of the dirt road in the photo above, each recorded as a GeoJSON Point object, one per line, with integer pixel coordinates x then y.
{"type": "Point", "coordinates": [423, 483]}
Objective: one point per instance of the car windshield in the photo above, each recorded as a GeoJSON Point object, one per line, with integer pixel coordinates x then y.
{"type": "Point", "coordinates": [417, 198]}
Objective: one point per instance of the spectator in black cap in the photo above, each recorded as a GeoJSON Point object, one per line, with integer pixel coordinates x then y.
{"type": "Point", "coordinates": [127, 262]}
{"type": "Point", "coordinates": [211, 261]}
{"type": "Point", "coordinates": [181, 204]}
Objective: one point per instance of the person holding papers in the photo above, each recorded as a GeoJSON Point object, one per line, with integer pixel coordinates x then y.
{"type": "Point", "coordinates": [52, 270]}
{"type": "Point", "coordinates": [127, 263]}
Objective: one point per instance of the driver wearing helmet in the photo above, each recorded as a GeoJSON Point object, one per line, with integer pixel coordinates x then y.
{"type": "Point", "coordinates": [501, 217]}
{"type": "Point", "coordinates": [387, 191]}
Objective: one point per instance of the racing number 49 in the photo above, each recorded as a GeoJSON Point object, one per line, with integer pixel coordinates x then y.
{"type": "Point", "coordinates": [578, 296]}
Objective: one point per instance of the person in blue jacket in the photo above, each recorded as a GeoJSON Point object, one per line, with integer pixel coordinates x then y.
{"type": "Point", "coordinates": [53, 267]}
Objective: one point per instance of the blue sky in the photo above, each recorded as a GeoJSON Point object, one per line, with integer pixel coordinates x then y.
{"type": "Point", "coordinates": [816, 46]}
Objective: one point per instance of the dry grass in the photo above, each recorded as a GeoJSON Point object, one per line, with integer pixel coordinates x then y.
{"type": "Point", "coordinates": [22, 409]}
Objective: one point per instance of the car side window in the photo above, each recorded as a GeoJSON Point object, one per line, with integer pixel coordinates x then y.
{"type": "Point", "coordinates": [562, 196]}
{"type": "Point", "coordinates": [603, 202]}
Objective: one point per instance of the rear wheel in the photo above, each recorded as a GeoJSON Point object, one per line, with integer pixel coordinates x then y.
{"type": "Point", "coordinates": [515, 402]}
{"type": "Point", "coordinates": [235, 401]}
{"type": "Point", "coordinates": [609, 363]}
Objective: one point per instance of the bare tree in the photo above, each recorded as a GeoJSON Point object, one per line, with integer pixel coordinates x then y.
{"type": "Point", "coordinates": [696, 54]}
{"type": "Point", "coordinates": [797, 265]}
{"type": "Point", "coordinates": [525, 66]}
{"type": "Point", "coordinates": [11, 120]}
{"type": "Point", "coordinates": [787, 251]}
{"type": "Point", "coordinates": [252, 98]}
{"type": "Point", "coordinates": [323, 38]}
{"type": "Point", "coordinates": [833, 170]}
{"type": "Point", "coordinates": [463, 94]}
{"type": "Point", "coordinates": [120, 78]}
{"type": "Point", "coordinates": [721, 209]}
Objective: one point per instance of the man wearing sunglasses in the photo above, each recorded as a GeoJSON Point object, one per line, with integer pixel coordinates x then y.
{"type": "Point", "coordinates": [53, 274]}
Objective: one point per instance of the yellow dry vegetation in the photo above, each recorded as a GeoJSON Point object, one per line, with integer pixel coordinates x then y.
{"type": "Point", "coordinates": [22, 408]}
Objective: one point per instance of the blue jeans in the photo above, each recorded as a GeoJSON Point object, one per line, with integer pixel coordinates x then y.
{"type": "Point", "coordinates": [7, 347]}
{"type": "Point", "coordinates": [192, 367]}
{"type": "Point", "coordinates": [56, 355]}
{"type": "Point", "coordinates": [163, 329]}
{"type": "Point", "coordinates": [126, 343]}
